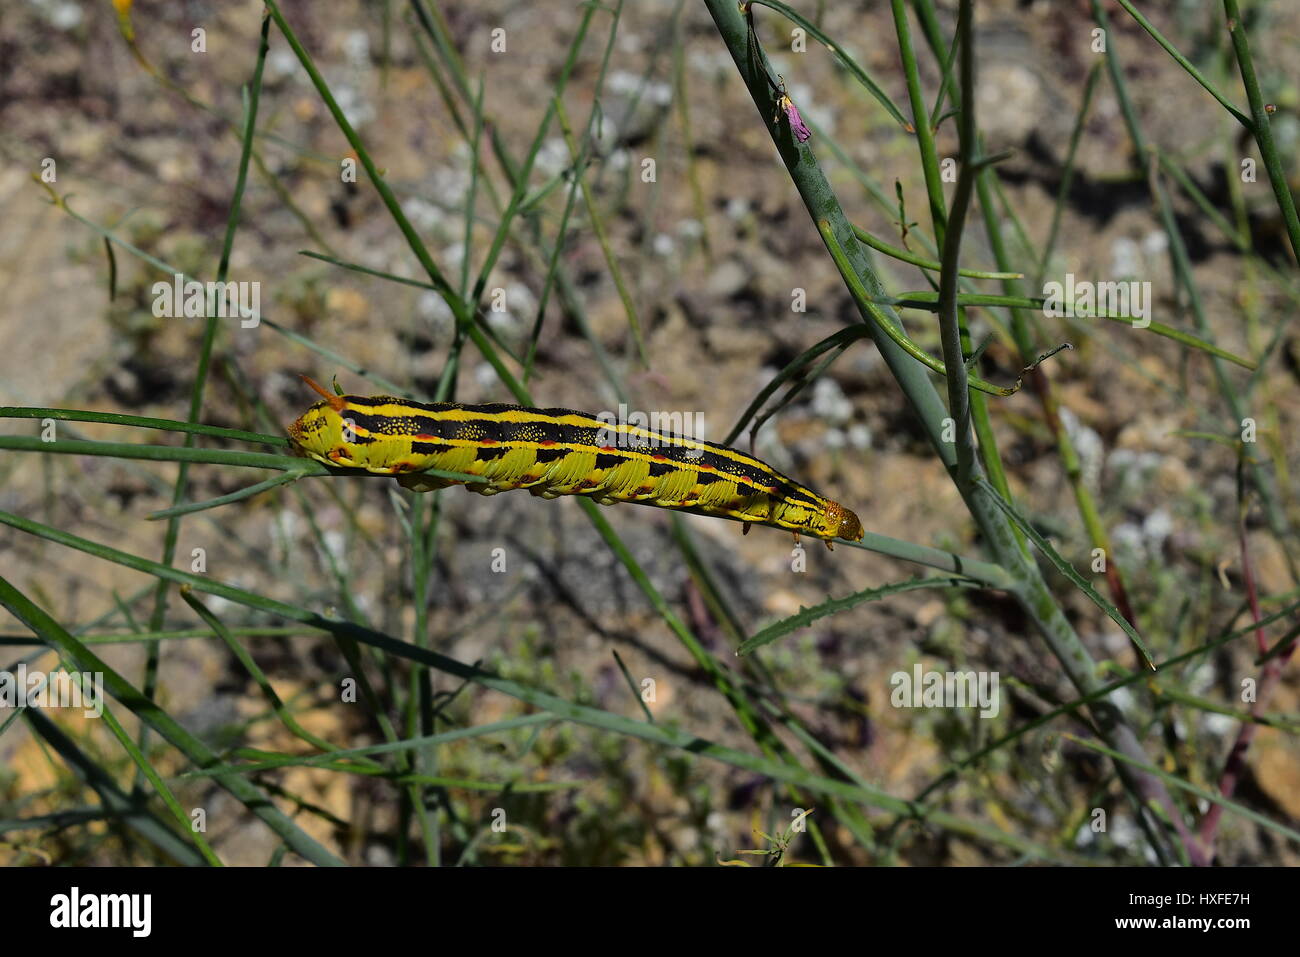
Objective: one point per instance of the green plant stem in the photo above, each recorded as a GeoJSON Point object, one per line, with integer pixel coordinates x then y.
{"type": "Point", "coordinates": [1186, 64]}
{"type": "Point", "coordinates": [1261, 125]}
{"type": "Point", "coordinates": [903, 255]}
{"type": "Point", "coordinates": [926, 146]}
{"type": "Point", "coordinates": [950, 332]}
{"type": "Point", "coordinates": [1031, 591]}
{"type": "Point", "coordinates": [920, 121]}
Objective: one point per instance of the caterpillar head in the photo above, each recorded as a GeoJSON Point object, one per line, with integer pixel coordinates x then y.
{"type": "Point", "coordinates": [840, 522]}
{"type": "Point", "coordinates": [320, 430]}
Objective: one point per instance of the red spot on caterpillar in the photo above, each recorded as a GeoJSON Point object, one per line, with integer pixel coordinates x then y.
{"type": "Point", "coordinates": [424, 437]}
{"type": "Point", "coordinates": [587, 483]}
{"type": "Point", "coordinates": [547, 444]}
{"type": "Point", "coordinates": [335, 454]}
{"type": "Point", "coordinates": [659, 458]}
{"type": "Point", "coordinates": [607, 448]}
{"type": "Point", "coordinates": [487, 441]}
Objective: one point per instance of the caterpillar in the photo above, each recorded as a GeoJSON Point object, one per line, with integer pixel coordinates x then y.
{"type": "Point", "coordinates": [553, 452]}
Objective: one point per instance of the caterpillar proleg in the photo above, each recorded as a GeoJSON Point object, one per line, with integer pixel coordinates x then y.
{"type": "Point", "coordinates": [552, 452]}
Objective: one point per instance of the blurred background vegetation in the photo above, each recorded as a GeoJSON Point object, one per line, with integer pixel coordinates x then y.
{"type": "Point", "coordinates": [704, 254]}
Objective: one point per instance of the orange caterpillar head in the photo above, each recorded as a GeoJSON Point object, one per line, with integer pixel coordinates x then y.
{"type": "Point", "coordinates": [839, 522]}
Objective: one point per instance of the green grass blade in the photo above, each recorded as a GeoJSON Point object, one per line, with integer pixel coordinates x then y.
{"type": "Point", "coordinates": [152, 716]}
{"type": "Point", "coordinates": [806, 616]}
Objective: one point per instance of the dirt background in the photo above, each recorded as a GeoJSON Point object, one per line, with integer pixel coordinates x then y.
{"type": "Point", "coordinates": [712, 274]}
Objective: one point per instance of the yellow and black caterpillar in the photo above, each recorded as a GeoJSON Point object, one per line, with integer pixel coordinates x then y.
{"type": "Point", "coordinates": [554, 452]}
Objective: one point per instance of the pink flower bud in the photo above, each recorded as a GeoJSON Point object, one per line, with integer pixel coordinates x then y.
{"type": "Point", "coordinates": [797, 126]}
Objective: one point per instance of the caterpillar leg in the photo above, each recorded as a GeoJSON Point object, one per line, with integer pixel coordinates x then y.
{"type": "Point", "coordinates": [420, 483]}
{"type": "Point", "coordinates": [829, 544]}
{"type": "Point", "coordinates": [744, 528]}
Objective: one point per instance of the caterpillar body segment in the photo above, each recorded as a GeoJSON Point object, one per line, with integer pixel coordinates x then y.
{"type": "Point", "coordinates": [553, 452]}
